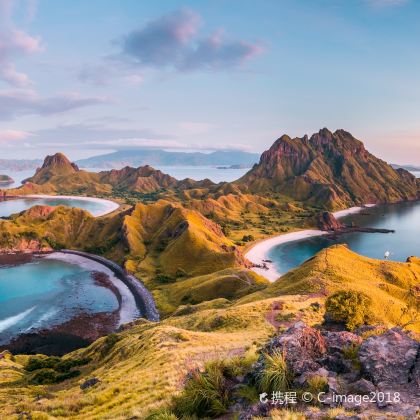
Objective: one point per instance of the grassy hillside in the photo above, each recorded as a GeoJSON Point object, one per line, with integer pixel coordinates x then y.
{"type": "Point", "coordinates": [391, 285]}
{"type": "Point", "coordinates": [144, 368]}
{"type": "Point", "coordinates": [44, 228]}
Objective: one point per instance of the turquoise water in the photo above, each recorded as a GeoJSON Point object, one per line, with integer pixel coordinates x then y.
{"type": "Point", "coordinates": [404, 218]}
{"type": "Point", "coordinates": [47, 292]}
{"type": "Point", "coordinates": [9, 207]}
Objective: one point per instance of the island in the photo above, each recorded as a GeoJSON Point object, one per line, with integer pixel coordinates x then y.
{"type": "Point", "coordinates": [221, 332]}
{"type": "Point", "coordinates": [6, 180]}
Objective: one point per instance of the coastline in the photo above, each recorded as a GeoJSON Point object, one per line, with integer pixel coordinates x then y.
{"type": "Point", "coordinates": [258, 253]}
{"type": "Point", "coordinates": [110, 205]}
{"type": "Point", "coordinates": [142, 296]}
{"type": "Point", "coordinates": [128, 308]}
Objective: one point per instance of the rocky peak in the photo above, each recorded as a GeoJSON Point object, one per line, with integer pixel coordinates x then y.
{"type": "Point", "coordinates": [54, 165]}
{"type": "Point", "coordinates": [330, 170]}
{"type": "Point", "coordinates": [59, 160]}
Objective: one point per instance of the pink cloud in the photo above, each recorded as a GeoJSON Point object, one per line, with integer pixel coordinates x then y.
{"type": "Point", "coordinates": [12, 135]}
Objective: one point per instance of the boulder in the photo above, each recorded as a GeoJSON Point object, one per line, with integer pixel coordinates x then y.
{"type": "Point", "coordinates": [302, 346]}
{"type": "Point", "coordinates": [89, 383]}
{"type": "Point", "coordinates": [336, 341]}
{"type": "Point", "coordinates": [362, 387]}
{"type": "Point", "coordinates": [389, 359]}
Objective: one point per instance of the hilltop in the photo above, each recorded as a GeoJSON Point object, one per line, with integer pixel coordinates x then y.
{"type": "Point", "coordinates": [59, 175]}
{"type": "Point", "coordinates": [332, 170]}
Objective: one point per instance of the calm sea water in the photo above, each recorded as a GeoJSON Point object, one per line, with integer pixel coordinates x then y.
{"type": "Point", "coordinates": [9, 207]}
{"type": "Point", "coordinates": [47, 292]}
{"type": "Point", "coordinates": [404, 218]}
{"type": "Point", "coordinates": [179, 172]}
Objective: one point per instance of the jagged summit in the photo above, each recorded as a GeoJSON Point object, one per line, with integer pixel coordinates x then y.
{"type": "Point", "coordinates": [57, 164]}
{"type": "Point", "coordinates": [328, 169]}
{"type": "Point", "coordinates": [58, 160]}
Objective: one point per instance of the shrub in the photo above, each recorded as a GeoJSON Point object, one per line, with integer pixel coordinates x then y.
{"type": "Point", "coordinates": [181, 273]}
{"type": "Point", "coordinates": [44, 377]}
{"type": "Point", "coordinates": [351, 308]}
{"type": "Point", "coordinates": [163, 278]}
{"type": "Point", "coordinates": [276, 375]}
{"type": "Point", "coordinates": [247, 238]}
{"type": "Point", "coordinates": [317, 384]}
{"type": "Point", "coordinates": [36, 363]}
{"type": "Point", "coordinates": [109, 343]}
{"type": "Point", "coordinates": [49, 370]}
{"type": "Point", "coordinates": [205, 393]}
{"type": "Point", "coordinates": [162, 414]}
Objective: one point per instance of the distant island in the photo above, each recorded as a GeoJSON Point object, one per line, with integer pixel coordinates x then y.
{"type": "Point", "coordinates": [136, 158]}
{"type": "Point", "coordinates": [411, 168]}
{"type": "Point", "coordinates": [19, 164]}
{"type": "Point", "coordinates": [6, 180]}
{"type": "Point", "coordinates": [243, 166]}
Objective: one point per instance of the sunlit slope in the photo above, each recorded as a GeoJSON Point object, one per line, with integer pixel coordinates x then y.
{"type": "Point", "coordinates": [45, 228]}
{"type": "Point", "coordinates": [166, 238]}
{"type": "Point", "coordinates": [391, 285]}
{"type": "Point", "coordinates": [144, 369]}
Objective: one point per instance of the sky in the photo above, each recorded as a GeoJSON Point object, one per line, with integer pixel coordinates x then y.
{"type": "Point", "coordinates": [90, 77]}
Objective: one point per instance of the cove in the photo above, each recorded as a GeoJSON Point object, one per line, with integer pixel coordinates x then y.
{"type": "Point", "coordinates": [95, 206]}
{"type": "Point", "coordinates": [66, 294]}
{"type": "Point", "coordinates": [404, 218]}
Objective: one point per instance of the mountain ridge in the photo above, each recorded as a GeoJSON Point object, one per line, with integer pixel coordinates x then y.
{"type": "Point", "coordinates": [329, 169]}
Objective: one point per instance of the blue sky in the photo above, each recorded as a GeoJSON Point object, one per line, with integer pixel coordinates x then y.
{"type": "Point", "coordinates": [90, 77]}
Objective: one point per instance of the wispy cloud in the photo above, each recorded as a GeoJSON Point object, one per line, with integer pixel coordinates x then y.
{"type": "Point", "coordinates": [14, 103]}
{"type": "Point", "coordinates": [386, 3]}
{"type": "Point", "coordinates": [14, 43]}
{"type": "Point", "coordinates": [13, 135]}
{"type": "Point", "coordinates": [172, 41]}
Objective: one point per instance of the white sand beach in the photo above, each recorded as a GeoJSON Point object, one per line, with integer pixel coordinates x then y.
{"type": "Point", "coordinates": [259, 252]}
{"type": "Point", "coordinates": [128, 310]}
{"type": "Point", "coordinates": [109, 206]}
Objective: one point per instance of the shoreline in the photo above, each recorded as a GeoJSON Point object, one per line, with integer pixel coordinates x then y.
{"type": "Point", "coordinates": [134, 302]}
{"type": "Point", "coordinates": [143, 297]}
{"type": "Point", "coordinates": [110, 205]}
{"type": "Point", "coordinates": [128, 310]}
{"type": "Point", "coordinates": [258, 253]}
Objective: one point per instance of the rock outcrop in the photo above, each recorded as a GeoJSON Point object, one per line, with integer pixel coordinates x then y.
{"type": "Point", "coordinates": [389, 359]}
{"type": "Point", "coordinates": [327, 222]}
{"type": "Point", "coordinates": [386, 364]}
{"type": "Point", "coordinates": [332, 170]}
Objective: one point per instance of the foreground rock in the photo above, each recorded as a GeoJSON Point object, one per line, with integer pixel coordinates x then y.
{"type": "Point", "coordinates": [390, 359]}
{"type": "Point", "coordinates": [378, 377]}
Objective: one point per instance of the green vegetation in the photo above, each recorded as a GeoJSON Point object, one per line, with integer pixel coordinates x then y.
{"type": "Point", "coordinates": [50, 370]}
{"type": "Point", "coordinates": [276, 375]}
{"type": "Point", "coordinates": [349, 307]}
